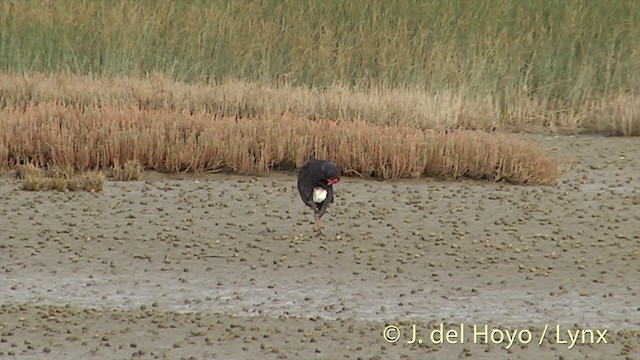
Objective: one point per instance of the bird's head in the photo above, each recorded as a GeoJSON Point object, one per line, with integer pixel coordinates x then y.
{"type": "Point", "coordinates": [331, 172]}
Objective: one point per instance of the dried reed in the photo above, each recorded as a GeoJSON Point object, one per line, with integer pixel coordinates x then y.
{"type": "Point", "coordinates": [443, 109]}
{"type": "Point", "coordinates": [170, 141]}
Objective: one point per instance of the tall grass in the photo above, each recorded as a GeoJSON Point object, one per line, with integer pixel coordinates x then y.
{"type": "Point", "coordinates": [558, 55]}
{"type": "Point", "coordinates": [445, 109]}
{"type": "Point", "coordinates": [50, 135]}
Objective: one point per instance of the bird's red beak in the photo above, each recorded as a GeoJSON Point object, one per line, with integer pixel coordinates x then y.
{"type": "Point", "coordinates": [333, 181]}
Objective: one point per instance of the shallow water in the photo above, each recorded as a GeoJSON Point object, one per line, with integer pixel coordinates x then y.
{"type": "Point", "coordinates": [359, 301]}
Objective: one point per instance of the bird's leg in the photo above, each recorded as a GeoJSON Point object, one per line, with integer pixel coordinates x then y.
{"type": "Point", "coordinates": [317, 223]}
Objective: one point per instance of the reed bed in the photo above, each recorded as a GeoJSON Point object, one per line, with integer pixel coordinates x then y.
{"type": "Point", "coordinates": [523, 64]}
{"type": "Point", "coordinates": [50, 135]}
{"type": "Point", "coordinates": [445, 109]}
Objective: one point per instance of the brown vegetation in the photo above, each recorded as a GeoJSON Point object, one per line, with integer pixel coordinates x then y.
{"type": "Point", "coordinates": [172, 141]}
{"type": "Point", "coordinates": [444, 109]}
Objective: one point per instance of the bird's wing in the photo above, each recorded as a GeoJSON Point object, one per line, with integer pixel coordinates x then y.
{"type": "Point", "coordinates": [306, 194]}
{"type": "Point", "coordinates": [305, 188]}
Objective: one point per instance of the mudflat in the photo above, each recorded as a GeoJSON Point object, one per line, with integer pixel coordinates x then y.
{"type": "Point", "coordinates": [229, 267]}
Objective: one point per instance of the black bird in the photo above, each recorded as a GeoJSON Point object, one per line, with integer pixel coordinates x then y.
{"type": "Point", "coordinates": [315, 184]}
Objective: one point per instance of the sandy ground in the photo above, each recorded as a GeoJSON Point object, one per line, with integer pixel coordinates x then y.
{"type": "Point", "coordinates": [228, 267]}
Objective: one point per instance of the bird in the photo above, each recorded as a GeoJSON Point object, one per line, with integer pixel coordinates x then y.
{"type": "Point", "coordinates": [315, 185]}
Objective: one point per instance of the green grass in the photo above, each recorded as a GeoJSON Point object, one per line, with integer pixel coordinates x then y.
{"type": "Point", "coordinates": [556, 55]}
{"type": "Point", "coordinates": [566, 49]}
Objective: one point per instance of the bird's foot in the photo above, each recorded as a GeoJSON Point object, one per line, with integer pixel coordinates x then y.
{"type": "Point", "coordinates": [318, 231]}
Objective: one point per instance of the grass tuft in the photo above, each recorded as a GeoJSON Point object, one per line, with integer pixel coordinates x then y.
{"type": "Point", "coordinates": [31, 177]}
{"type": "Point", "coordinates": [59, 179]}
{"type": "Point", "coordinates": [92, 181]}
{"type": "Point", "coordinates": [27, 170]}
{"type": "Point", "coordinates": [130, 171]}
